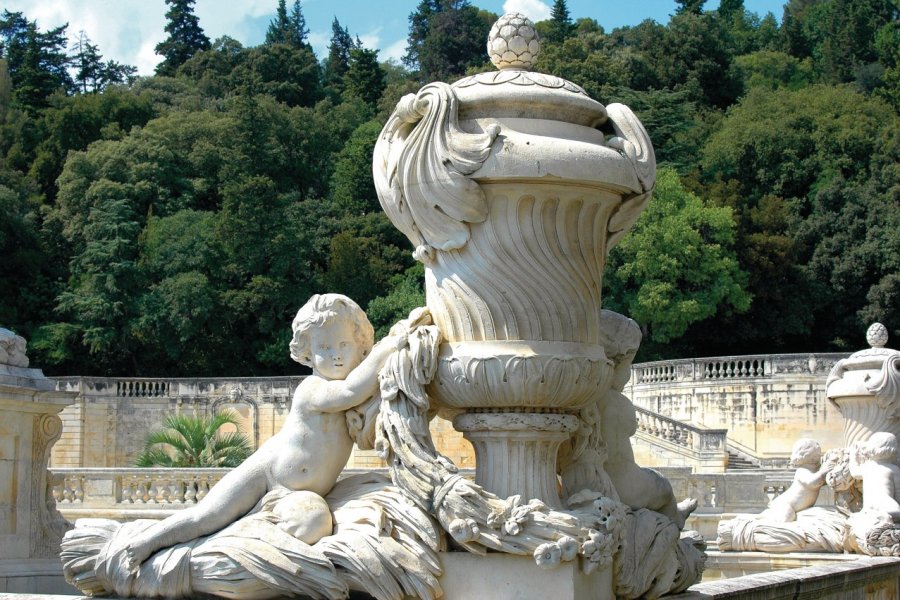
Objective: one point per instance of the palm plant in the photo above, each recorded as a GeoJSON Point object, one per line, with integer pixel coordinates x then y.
{"type": "Point", "coordinates": [195, 441]}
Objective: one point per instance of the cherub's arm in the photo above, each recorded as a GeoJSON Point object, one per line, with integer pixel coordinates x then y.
{"type": "Point", "coordinates": [811, 478]}
{"type": "Point", "coordinates": [855, 466]}
{"type": "Point", "coordinates": [361, 384]}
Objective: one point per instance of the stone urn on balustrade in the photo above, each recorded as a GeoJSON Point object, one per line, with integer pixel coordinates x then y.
{"type": "Point", "coordinates": [513, 186]}
{"type": "Point", "coordinates": [866, 388]}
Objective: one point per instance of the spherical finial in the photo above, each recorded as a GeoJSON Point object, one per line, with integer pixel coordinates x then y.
{"type": "Point", "coordinates": [877, 335]}
{"type": "Point", "coordinates": [513, 42]}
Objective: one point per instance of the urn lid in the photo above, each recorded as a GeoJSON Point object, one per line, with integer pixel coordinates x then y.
{"type": "Point", "coordinates": [514, 90]}
{"type": "Point", "coordinates": [867, 371]}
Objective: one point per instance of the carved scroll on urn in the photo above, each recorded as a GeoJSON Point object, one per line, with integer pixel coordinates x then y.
{"type": "Point", "coordinates": [421, 165]}
{"type": "Point", "coordinates": [633, 141]}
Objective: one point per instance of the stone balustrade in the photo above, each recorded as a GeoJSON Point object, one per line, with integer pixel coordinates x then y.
{"type": "Point", "coordinates": [662, 441]}
{"type": "Point", "coordinates": [733, 367]}
{"type": "Point", "coordinates": [129, 493]}
{"type": "Point", "coordinates": [678, 432]}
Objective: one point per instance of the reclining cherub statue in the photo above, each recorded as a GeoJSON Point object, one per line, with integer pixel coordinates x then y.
{"type": "Point", "coordinates": [280, 524]}
{"type": "Point", "coordinates": [333, 336]}
{"type": "Point", "coordinates": [792, 522]}
{"type": "Point", "coordinates": [875, 529]}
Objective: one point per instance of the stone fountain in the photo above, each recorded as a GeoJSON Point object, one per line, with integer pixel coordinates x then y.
{"type": "Point", "coordinates": [512, 187]}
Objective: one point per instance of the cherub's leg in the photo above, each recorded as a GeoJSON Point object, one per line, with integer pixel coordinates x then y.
{"type": "Point", "coordinates": [226, 502]}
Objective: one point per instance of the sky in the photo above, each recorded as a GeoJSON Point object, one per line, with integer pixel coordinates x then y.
{"type": "Point", "coordinates": [128, 30]}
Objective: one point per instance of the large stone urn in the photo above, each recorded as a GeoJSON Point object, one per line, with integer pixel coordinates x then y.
{"type": "Point", "coordinates": [513, 186]}
{"type": "Point", "coordinates": [866, 388]}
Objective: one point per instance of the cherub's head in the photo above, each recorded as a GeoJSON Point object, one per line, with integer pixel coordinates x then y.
{"type": "Point", "coordinates": [332, 335]}
{"type": "Point", "coordinates": [806, 452]}
{"type": "Point", "coordinates": [882, 446]}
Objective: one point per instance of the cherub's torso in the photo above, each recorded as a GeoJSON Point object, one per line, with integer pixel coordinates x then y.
{"type": "Point", "coordinates": [311, 449]}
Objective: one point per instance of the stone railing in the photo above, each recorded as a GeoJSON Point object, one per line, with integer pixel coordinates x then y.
{"type": "Point", "coordinates": [129, 493]}
{"type": "Point", "coordinates": [129, 487]}
{"type": "Point", "coordinates": [733, 367]}
{"type": "Point", "coordinates": [683, 434]}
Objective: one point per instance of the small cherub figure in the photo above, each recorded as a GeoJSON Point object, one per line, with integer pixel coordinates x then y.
{"type": "Point", "coordinates": [809, 478]}
{"type": "Point", "coordinates": [333, 336]}
{"type": "Point", "coordinates": [606, 456]}
{"type": "Point", "coordinates": [874, 462]}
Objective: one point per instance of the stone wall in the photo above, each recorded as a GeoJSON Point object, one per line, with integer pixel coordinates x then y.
{"type": "Point", "coordinates": [109, 421]}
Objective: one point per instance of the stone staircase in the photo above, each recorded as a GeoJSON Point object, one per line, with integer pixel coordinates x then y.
{"type": "Point", "coordinates": [736, 462]}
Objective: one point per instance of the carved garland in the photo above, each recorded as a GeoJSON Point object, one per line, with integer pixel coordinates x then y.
{"type": "Point", "coordinates": [600, 529]}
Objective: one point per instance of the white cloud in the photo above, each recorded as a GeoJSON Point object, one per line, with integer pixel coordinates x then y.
{"type": "Point", "coordinates": [393, 52]}
{"type": "Point", "coordinates": [533, 9]}
{"type": "Point", "coordinates": [372, 38]}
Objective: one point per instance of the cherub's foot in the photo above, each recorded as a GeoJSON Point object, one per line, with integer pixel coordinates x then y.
{"type": "Point", "coordinates": [685, 508]}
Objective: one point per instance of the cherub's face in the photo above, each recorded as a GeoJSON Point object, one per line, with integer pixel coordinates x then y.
{"type": "Point", "coordinates": [335, 350]}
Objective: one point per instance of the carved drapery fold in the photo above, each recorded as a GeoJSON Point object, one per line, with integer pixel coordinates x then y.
{"type": "Point", "coordinates": [421, 167]}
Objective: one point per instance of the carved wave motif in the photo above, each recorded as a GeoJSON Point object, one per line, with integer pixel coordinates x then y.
{"type": "Point", "coordinates": [532, 270]}
{"type": "Point", "coordinates": [421, 164]}
{"type": "Point", "coordinates": [523, 78]}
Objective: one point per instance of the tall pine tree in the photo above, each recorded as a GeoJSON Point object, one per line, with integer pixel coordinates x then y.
{"type": "Point", "coordinates": [560, 22]}
{"type": "Point", "coordinates": [186, 37]}
{"type": "Point", "coordinates": [338, 60]}
{"type": "Point", "coordinates": [288, 29]}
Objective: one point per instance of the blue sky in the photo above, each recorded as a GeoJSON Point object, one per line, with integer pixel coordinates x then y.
{"type": "Point", "coordinates": [128, 30]}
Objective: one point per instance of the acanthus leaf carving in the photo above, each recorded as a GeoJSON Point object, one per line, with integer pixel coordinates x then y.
{"type": "Point", "coordinates": [421, 166]}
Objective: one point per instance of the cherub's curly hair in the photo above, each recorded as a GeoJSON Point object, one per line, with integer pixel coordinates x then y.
{"type": "Point", "coordinates": [806, 451]}
{"type": "Point", "coordinates": [881, 446]}
{"type": "Point", "coordinates": [321, 309]}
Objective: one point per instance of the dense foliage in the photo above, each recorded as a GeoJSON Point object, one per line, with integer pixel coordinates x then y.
{"type": "Point", "coordinates": [171, 225]}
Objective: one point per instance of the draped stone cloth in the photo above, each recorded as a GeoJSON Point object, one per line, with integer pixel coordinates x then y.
{"type": "Point", "coordinates": [381, 544]}
{"type": "Point", "coordinates": [815, 530]}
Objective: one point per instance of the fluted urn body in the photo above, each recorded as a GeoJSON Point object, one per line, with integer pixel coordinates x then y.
{"type": "Point", "coordinates": [512, 186]}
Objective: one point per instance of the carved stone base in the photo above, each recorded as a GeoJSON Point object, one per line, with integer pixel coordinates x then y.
{"type": "Point", "coordinates": [516, 452]}
{"type": "Point", "coordinates": [508, 577]}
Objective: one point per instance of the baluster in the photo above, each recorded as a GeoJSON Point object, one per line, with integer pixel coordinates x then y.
{"type": "Point", "coordinates": [202, 487]}
{"type": "Point", "coordinates": [712, 496]}
{"type": "Point", "coordinates": [143, 487]}
{"type": "Point", "coordinates": [190, 491]}
{"type": "Point", "coordinates": [770, 492]}
{"type": "Point", "coordinates": [78, 495]}
{"type": "Point", "coordinates": [57, 491]}
{"type": "Point", "coordinates": [153, 490]}
{"type": "Point", "coordinates": [68, 490]}
{"type": "Point", "coordinates": [126, 490]}
{"type": "Point", "coordinates": [178, 491]}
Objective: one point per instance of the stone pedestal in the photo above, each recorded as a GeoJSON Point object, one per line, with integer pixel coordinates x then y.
{"type": "Point", "coordinates": [517, 451]}
{"type": "Point", "coordinates": [30, 526]}
{"type": "Point", "coordinates": [507, 577]}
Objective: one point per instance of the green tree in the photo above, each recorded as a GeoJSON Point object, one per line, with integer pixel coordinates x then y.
{"type": "Point", "coordinates": [796, 174]}
{"type": "Point", "coordinates": [678, 266]}
{"type": "Point", "coordinates": [37, 61]}
{"type": "Point", "coordinates": [561, 26]}
{"type": "Point", "coordinates": [338, 61]}
{"type": "Point", "coordinates": [195, 442]}
{"type": "Point", "coordinates": [185, 39]}
{"type": "Point", "coordinates": [689, 6]}
{"type": "Point", "coordinates": [288, 29]}
{"type": "Point", "coordinates": [446, 37]}
{"type": "Point", "coordinates": [365, 79]}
